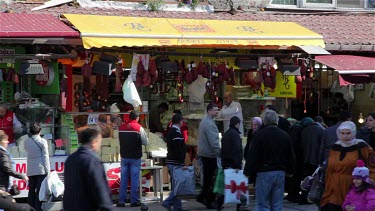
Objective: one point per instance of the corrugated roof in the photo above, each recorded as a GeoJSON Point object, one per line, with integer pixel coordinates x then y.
{"type": "Point", "coordinates": [33, 25]}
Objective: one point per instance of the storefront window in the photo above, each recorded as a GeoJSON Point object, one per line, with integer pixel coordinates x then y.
{"type": "Point", "coordinates": [284, 2]}
{"type": "Point", "coordinates": [350, 3]}
{"type": "Point", "coordinates": [320, 1]}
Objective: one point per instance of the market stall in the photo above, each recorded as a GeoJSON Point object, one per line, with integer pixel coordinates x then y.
{"type": "Point", "coordinates": [186, 63]}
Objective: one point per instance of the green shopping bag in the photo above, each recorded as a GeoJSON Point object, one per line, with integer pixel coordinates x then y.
{"type": "Point", "coordinates": [219, 182]}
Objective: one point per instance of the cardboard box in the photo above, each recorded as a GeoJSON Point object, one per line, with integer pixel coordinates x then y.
{"type": "Point", "coordinates": [109, 150]}
{"type": "Point", "coordinates": [114, 142]}
{"type": "Point", "coordinates": [115, 134]}
{"type": "Point", "coordinates": [106, 141]}
{"type": "Point", "coordinates": [106, 158]}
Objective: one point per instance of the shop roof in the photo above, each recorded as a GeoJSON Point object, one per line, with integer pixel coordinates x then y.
{"type": "Point", "coordinates": [33, 25]}
{"type": "Point", "coordinates": [351, 29]}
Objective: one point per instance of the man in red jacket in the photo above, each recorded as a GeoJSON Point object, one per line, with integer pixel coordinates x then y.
{"type": "Point", "coordinates": [9, 123]}
{"type": "Point", "coordinates": [132, 136]}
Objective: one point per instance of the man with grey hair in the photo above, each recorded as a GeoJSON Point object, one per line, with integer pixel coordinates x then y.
{"type": "Point", "coordinates": [270, 158]}
{"type": "Point", "coordinates": [9, 123]}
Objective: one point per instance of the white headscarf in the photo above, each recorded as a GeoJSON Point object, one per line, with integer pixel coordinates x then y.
{"type": "Point", "coordinates": [350, 126]}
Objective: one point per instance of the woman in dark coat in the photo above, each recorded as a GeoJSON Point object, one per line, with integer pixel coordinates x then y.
{"type": "Point", "coordinates": [256, 123]}
{"type": "Point", "coordinates": [6, 170]}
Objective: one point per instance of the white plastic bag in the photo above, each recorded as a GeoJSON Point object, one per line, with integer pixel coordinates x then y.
{"type": "Point", "coordinates": [130, 92]}
{"type": "Point", "coordinates": [235, 186]}
{"type": "Point", "coordinates": [45, 189]}
{"type": "Point", "coordinates": [57, 186]}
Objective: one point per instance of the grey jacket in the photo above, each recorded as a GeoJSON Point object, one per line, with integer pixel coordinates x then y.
{"type": "Point", "coordinates": [37, 156]}
{"type": "Point", "coordinates": [208, 138]}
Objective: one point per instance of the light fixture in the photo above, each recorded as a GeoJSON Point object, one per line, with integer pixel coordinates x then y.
{"type": "Point", "coordinates": [360, 119]}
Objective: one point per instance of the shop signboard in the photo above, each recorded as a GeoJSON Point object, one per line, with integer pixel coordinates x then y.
{"type": "Point", "coordinates": [112, 172]}
{"type": "Point", "coordinates": [285, 87]}
{"type": "Point", "coordinates": [7, 51]}
{"type": "Point", "coordinates": [56, 162]}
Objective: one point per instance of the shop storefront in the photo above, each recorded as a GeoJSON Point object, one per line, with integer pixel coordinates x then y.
{"type": "Point", "coordinates": [167, 58]}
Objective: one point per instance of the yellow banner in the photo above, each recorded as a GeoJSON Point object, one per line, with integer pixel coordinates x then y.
{"type": "Point", "coordinates": [285, 87]}
{"type": "Point", "coordinates": [108, 31]}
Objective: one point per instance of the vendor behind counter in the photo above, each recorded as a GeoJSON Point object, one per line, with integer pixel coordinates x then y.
{"type": "Point", "coordinates": [155, 123]}
{"type": "Point", "coordinates": [9, 123]}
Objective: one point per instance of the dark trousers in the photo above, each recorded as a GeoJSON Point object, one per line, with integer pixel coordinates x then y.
{"type": "Point", "coordinates": [220, 202]}
{"type": "Point", "coordinates": [209, 172]}
{"type": "Point", "coordinates": [331, 207]}
{"type": "Point", "coordinates": [34, 187]}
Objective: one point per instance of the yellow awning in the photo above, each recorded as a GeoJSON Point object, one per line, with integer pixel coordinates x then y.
{"type": "Point", "coordinates": [107, 31]}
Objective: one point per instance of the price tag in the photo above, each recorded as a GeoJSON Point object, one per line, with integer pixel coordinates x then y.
{"type": "Point", "coordinates": [92, 119]}
{"type": "Point", "coordinates": [268, 74]}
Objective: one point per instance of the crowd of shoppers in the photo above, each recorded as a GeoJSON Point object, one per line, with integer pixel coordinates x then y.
{"type": "Point", "coordinates": [276, 158]}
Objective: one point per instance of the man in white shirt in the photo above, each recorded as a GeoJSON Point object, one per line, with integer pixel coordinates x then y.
{"type": "Point", "coordinates": [229, 110]}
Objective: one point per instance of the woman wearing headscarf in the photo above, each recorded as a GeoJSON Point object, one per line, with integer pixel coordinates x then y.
{"type": "Point", "coordinates": [6, 170]}
{"type": "Point", "coordinates": [342, 159]}
{"type": "Point", "coordinates": [256, 123]}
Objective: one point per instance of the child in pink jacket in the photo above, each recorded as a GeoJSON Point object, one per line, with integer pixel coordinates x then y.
{"type": "Point", "coordinates": [361, 196]}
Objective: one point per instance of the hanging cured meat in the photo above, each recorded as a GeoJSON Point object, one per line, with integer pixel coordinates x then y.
{"type": "Point", "coordinates": [194, 71]}
{"type": "Point", "coordinates": [86, 73]}
{"type": "Point", "coordinates": [140, 67]}
{"type": "Point", "coordinates": [258, 81]}
{"type": "Point", "coordinates": [206, 71]}
{"type": "Point", "coordinates": [200, 68]}
{"type": "Point", "coordinates": [119, 75]}
{"type": "Point", "coordinates": [146, 80]}
{"type": "Point", "coordinates": [231, 80]}
{"type": "Point", "coordinates": [153, 71]}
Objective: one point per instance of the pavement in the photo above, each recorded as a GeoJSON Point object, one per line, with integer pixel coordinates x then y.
{"type": "Point", "coordinates": [192, 205]}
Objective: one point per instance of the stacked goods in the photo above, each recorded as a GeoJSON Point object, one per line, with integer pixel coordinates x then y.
{"type": "Point", "coordinates": [241, 91]}
{"type": "Point", "coordinates": [110, 151]}
{"type": "Point", "coordinates": [155, 142]}
{"type": "Point", "coordinates": [193, 121]}
{"type": "Point", "coordinates": [69, 132]}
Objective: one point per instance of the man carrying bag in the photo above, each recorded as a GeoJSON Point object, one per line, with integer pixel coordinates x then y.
{"type": "Point", "coordinates": [175, 160]}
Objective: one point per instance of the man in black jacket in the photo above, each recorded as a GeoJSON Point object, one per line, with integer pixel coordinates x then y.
{"type": "Point", "coordinates": [270, 158]}
{"type": "Point", "coordinates": [175, 158]}
{"type": "Point", "coordinates": [231, 151]}
{"type": "Point", "coordinates": [86, 186]}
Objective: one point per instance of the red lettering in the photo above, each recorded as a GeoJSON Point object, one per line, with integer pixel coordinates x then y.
{"type": "Point", "coordinates": [112, 174]}
{"type": "Point", "coordinates": [59, 169]}
{"type": "Point", "coordinates": [21, 168]}
{"type": "Point", "coordinates": [21, 184]}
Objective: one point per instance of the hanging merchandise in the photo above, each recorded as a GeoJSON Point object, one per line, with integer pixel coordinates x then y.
{"type": "Point", "coordinates": [137, 69]}
{"type": "Point", "coordinates": [1, 75]}
{"type": "Point", "coordinates": [119, 74]}
{"type": "Point", "coordinates": [86, 73]}
{"type": "Point", "coordinates": [153, 71]}
{"type": "Point", "coordinates": [194, 70]}
{"type": "Point", "coordinates": [348, 93]}
{"type": "Point", "coordinates": [201, 67]}
{"type": "Point", "coordinates": [48, 77]}
{"type": "Point", "coordinates": [130, 93]}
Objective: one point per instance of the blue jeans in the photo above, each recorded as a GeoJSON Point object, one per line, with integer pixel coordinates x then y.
{"type": "Point", "coordinates": [132, 167]}
{"type": "Point", "coordinates": [172, 200]}
{"type": "Point", "coordinates": [269, 190]}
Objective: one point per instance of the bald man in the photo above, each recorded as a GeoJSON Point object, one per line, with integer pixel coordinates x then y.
{"type": "Point", "coordinates": [9, 123]}
{"type": "Point", "coordinates": [229, 110]}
